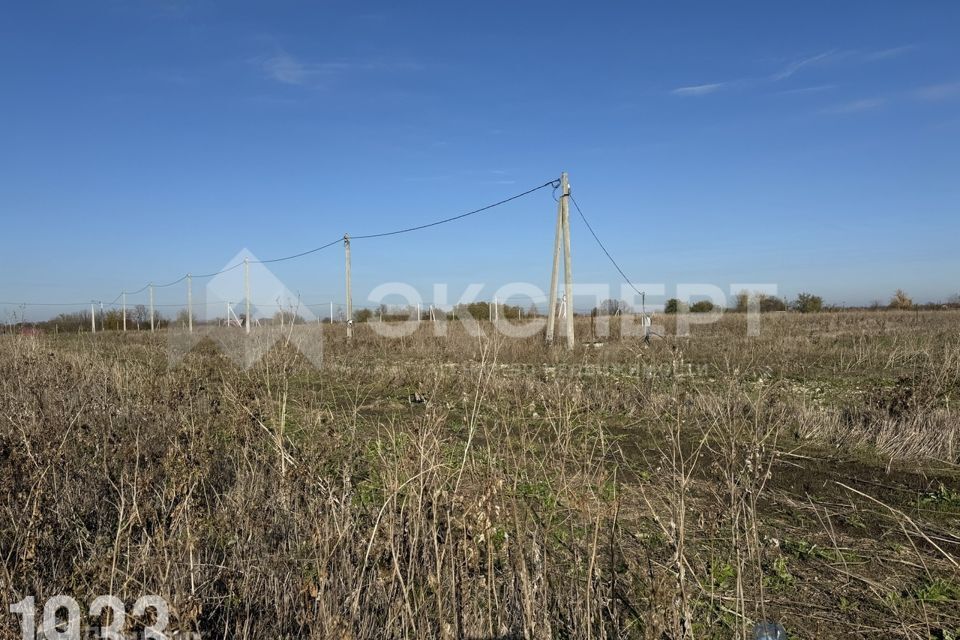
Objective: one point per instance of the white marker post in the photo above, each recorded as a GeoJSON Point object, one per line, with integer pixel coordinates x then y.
{"type": "Point", "coordinates": [246, 290]}
{"type": "Point", "coordinates": [190, 302]}
{"type": "Point", "coordinates": [151, 308]}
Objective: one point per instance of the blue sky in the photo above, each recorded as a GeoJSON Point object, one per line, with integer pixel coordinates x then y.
{"type": "Point", "coordinates": [812, 145]}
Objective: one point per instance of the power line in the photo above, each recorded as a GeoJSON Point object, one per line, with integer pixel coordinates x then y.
{"type": "Point", "coordinates": [140, 290]}
{"type": "Point", "coordinates": [551, 183]}
{"type": "Point", "coordinates": [47, 304]}
{"type": "Point", "coordinates": [298, 255]}
{"type": "Point", "coordinates": [170, 284]}
{"type": "Point", "coordinates": [359, 237]}
{"type": "Point", "coordinates": [216, 273]}
{"type": "Point", "coordinates": [457, 217]}
{"type": "Point", "coordinates": [610, 257]}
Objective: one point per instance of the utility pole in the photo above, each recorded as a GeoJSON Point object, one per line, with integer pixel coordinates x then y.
{"type": "Point", "coordinates": [562, 236]}
{"type": "Point", "coordinates": [552, 304]}
{"type": "Point", "coordinates": [331, 314]}
{"type": "Point", "coordinates": [103, 318]}
{"type": "Point", "coordinates": [418, 313]}
{"type": "Point", "coordinates": [124, 296]}
{"type": "Point", "coordinates": [93, 319]}
{"type": "Point", "coordinates": [190, 302]}
{"type": "Point", "coordinates": [567, 267]}
{"type": "Point", "coordinates": [346, 251]}
{"type": "Point", "coordinates": [151, 308]}
{"type": "Point", "coordinates": [246, 290]}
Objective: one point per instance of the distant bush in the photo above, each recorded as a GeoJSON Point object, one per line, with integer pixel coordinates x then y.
{"type": "Point", "coordinates": [611, 308]}
{"type": "Point", "coordinates": [769, 303]}
{"type": "Point", "coordinates": [702, 306]}
{"type": "Point", "coordinates": [482, 310]}
{"type": "Point", "coordinates": [672, 306]}
{"type": "Point", "coordinates": [900, 300]}
{"type": "Point", "coordinates": [808, 303]}
{"type": "Point", "coordinates": [765, 301]}
{"type": "Point", "coordinates": [742, 301]}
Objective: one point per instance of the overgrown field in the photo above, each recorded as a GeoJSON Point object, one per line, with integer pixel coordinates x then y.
{"type": "Point", "coordinates": [683, 489]}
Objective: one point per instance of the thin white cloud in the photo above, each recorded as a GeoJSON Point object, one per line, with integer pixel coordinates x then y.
{"type": "Point", "coordinates": [856, 106]}
{"type": "Point", "coordinates": [288, 69]}
{"type": "Point", "coordinates": [886, 54]}
{"type": "Point", "coordinates": [699, 89]}
{"type": "Point", "coordinates": [285, 68]}
{"type": "Point", "coordinates": [802, 90]}
{"type": "Point", "coordinates": [934, 92]}
{"type": "Point", "coordinates": [794, 67]}
{"type": "Point", "coordinates": [831, 57]}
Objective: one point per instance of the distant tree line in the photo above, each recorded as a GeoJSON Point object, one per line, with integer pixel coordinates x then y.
{"type": "Point", "coordinates": [804, 303]}
{"type": "Point", "coordinates": [138, 317]}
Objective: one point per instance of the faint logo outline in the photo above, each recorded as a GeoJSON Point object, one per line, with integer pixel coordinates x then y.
{"type": "Point", "coordinates": [242, 344]}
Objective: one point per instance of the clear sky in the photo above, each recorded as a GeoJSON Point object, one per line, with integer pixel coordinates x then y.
{"type": "Point", "coordinates": [813, 145]}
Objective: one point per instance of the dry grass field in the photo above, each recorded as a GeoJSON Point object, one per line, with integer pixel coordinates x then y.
{"type": "Point", "coordinates": [683, 489]}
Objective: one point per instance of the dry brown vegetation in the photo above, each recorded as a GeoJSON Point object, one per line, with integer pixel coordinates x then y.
{"type": "Point", "coordinates": [684, 489]}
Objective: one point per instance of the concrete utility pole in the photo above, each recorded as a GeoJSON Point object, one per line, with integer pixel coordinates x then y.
{"type": "Point", "coordinates": [552, 303]}
{"type": "Point", "coordinates": [567, 267]}
{"type": "Point", "coordinates": [93, 319]}
{"type": "Point", "coordinates": [562, 237]}
{"type": "Point", "coordinates": [124, 296]}
{"type": "Point", "coordinates": [190, 302]}
{"type": "Point", "coordinates": [246, 291]}
{"type": "Point", "coordinates": [151, 308]}
{"type": "Point", "coordinates": [346, 251]}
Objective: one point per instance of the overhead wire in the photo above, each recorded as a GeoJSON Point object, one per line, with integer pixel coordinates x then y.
{"type": "Point", "coordinates": [609, 257]}
{"type": "Point", "coordinates": [297, 255]}
{"type": "Point", "coordinates": [555, 183]}
{"type": "Point", "coordinates": [457, 217]}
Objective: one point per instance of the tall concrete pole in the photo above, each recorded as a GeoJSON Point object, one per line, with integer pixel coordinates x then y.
{"type": "Point", "coordinates": [246, 291]}
{"type": "Point", "coordinates": [552, 304]}
{"type": "Point", "coordinates": [567, 267]}
{"type": "Point", "coordinates": [151, 309]}
{"type": "Point", "coordinates": [124, 296]}
{"type": "Point", "coordinates": [346, 250]}
{"type": "Point", "coordinates": [190, 302]}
